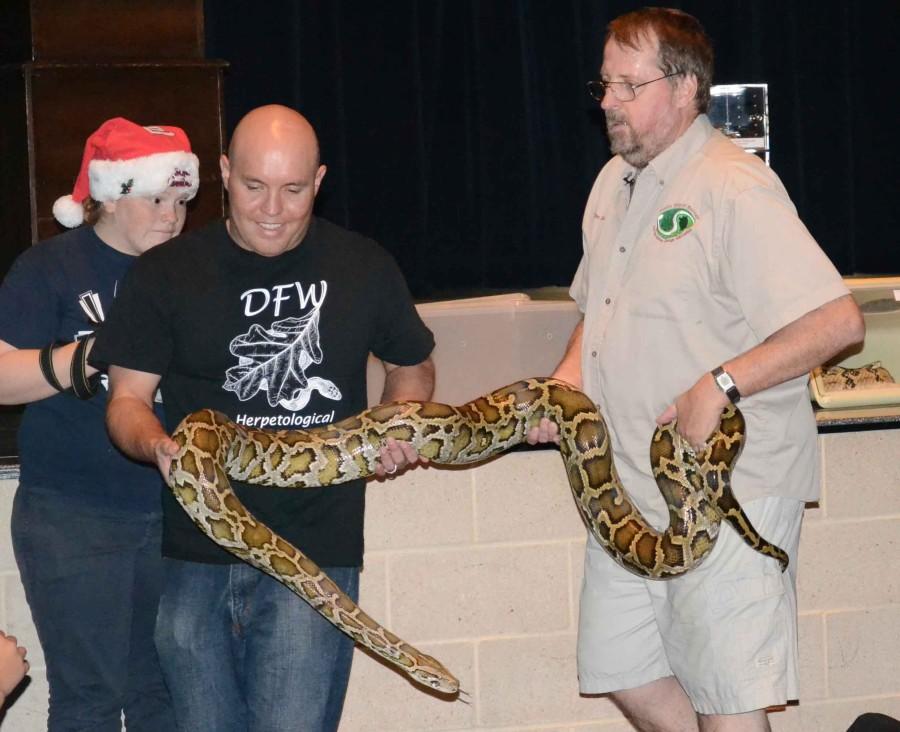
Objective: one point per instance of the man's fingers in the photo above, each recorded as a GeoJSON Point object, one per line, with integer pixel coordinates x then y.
{"type": "Point", "coordinates": [546, 431]}
{"type": "Point", "coordinates": [395, 455]}
{"type": "Point", "coordinates": [668, 415]}
{"type": "Point", "coordinates": [409, 452]}
{"type": "Point", "coordinates": [392, 455]}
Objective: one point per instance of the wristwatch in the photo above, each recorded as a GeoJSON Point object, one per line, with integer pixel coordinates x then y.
{"type": "Point", "coordinates": [726, 384]}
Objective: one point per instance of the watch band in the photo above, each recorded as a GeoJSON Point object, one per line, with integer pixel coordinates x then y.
{"type": "Point", "coordinates": [726, 384]}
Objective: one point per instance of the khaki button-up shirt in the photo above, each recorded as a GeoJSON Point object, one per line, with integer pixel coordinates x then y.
{"type": "Point", "coordinates": [704, 259]}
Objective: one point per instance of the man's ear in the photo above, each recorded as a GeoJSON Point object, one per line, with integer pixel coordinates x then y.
{"type": "Point", "coordinates": [225, 169]}
{"type": "Point", "coordinates": [686, 90]}
{"type": "Point", "coordinates": [320, 173]}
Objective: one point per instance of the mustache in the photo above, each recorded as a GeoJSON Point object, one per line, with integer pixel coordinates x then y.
{"type": "Point", "coordinates": [613, 118]}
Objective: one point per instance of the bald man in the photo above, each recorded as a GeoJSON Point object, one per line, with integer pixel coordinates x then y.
{"type": "Point", "coordinates": [268, 316]}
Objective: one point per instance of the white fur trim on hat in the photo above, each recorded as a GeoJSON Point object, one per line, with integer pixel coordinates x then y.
{"type": "Point", "coordinates": [67, 212]}
{"type": "Point", "coordinates": [145, 176]}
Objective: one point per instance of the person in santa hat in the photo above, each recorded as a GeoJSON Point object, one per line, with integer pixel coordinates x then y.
{"type": "Point", "coordinates": [86, 519]}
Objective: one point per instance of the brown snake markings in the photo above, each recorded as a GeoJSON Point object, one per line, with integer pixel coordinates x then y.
{"type": "Point", "coordinates": [696, 488]}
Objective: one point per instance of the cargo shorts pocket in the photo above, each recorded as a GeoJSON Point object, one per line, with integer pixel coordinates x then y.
{"type": "Point", "coordinates": [748, 623]}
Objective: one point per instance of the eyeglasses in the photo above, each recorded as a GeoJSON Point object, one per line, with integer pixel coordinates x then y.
{"type": "Point", "coordinates": [621, 90]}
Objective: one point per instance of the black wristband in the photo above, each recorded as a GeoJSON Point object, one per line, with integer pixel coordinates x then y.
{"type": "Point", "coordinates": [83, 386]}
{"type": "Point", "coordinates": [45, 359]}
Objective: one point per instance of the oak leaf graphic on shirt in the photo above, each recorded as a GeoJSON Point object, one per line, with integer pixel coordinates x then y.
{"type": "Point", "coordinates": [275, 359]}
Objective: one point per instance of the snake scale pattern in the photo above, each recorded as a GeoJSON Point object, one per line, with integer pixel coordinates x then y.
{"type": "Point", "coordinates": [696, 488]}
{"type": "Point", "coordinates": [869, 376]}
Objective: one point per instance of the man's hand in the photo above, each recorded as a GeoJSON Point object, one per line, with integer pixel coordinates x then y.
{"type": "Point", "coordinates": [568, 370]}
{"type": "Point", "coordinates": [404, 383]}
{"type": "Point", "coordinates": [164, 449]}
{"type": "Point", "coordinates": [698, 410]}
{"type": "Point", "coordinates": [546, 431]}
{"type": "Point", "coordinates": [395, 457]}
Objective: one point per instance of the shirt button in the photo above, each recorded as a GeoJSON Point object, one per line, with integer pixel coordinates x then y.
{"type": "Point", "coordinates": [594, 354]}
{"type": "Point", "coordinates": [607, 301]}
{"type": "Point", "coordinates": [622, 249]}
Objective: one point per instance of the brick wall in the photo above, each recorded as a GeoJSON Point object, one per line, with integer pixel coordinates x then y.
{"type": "Point", "coordinates": [481, 568]}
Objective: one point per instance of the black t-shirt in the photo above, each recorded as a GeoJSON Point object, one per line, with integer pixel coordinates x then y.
{"type": "Point", "coordinates": [63, 444]}
{"type": "Point", "coordinates": [272, 342]}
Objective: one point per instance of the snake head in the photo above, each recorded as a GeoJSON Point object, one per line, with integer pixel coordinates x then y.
{"type": "Point", "coordinates": [437, 682]}
{"type": "Point", "coordinates": [430, 673]}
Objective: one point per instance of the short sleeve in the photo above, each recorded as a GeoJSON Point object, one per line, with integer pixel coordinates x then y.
{"type": "Point", "coordinates": [137, 333]}
{"type": "Point", "coordinates": [401, 338]}
{"type": "Point", "coordinates": [774, 267]}
{"type": "Point", "coordinates": [579, 288]}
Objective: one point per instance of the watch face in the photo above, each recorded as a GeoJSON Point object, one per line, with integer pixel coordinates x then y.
{"type": "Point", "coordinates": [726, 384]}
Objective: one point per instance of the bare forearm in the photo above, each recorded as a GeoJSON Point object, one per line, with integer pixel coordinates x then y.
{"type": "Point", "coordinates": [21, 380]}
{"type": "Point", "coordinates": [409, 383]}
{"type": "Point", "coordinates": [131, 421]}
{"type": "Point", "coordinates": [403, 384]}
{"type": "Point", "coordinates": [798, 347]}
{"type": "Point", "coordinates": [786, 354]}
{"type": "Point", "coordinates": [134, 427]}
{"type": "Point", "coordinates": [569, 368]}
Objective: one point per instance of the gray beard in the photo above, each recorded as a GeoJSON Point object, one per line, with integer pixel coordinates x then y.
{"type": "Point", "coordinates": [631, 150]}
{"type": "Point", "coordinates": [625, 145]}
{"type": "Point", "coordinates": [638, 153]}
{"type": "Point", "coordinates": [633, 154]}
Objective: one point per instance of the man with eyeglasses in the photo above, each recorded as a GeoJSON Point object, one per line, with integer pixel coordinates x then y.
{"type": "Point", "coordinates": [699, 287]}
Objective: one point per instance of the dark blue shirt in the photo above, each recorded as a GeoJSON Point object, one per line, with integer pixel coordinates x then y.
{"type": "Point", "coordinates": [63, 444]}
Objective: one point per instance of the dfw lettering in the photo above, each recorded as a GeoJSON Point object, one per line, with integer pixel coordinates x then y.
{"type": "Point", "coordinates": [259, 299]}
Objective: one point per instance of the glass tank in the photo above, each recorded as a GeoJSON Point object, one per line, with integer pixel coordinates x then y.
{"type": "Point", "coordinates": [741, 112]}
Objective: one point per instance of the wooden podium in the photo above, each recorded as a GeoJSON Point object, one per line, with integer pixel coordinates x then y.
{"type": "Point", "coordinates": [68, 65]}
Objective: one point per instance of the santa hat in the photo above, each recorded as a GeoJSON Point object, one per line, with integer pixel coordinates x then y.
{"type": "Point", "coordinates": [125, 159]}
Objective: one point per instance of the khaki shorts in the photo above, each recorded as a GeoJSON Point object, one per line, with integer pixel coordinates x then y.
{"type": "Point", "coordinates": [726, 630]}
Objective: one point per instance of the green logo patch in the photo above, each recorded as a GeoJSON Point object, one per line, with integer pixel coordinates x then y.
{"type": "Point", "coordinates": [674, 222]}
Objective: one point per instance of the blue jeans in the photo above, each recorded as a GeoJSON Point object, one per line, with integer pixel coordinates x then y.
{"type": "Point", "coordinates": [92, 579]}
{"type": "Point", "coordinates": [241, 652]}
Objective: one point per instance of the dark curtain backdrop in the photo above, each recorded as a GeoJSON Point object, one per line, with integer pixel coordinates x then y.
{"type": "Point", "coordinates": [460, 135]}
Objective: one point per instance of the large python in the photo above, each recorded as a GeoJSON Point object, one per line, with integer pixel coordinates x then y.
{"type": "Point", "coordinates": [696, 488]}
